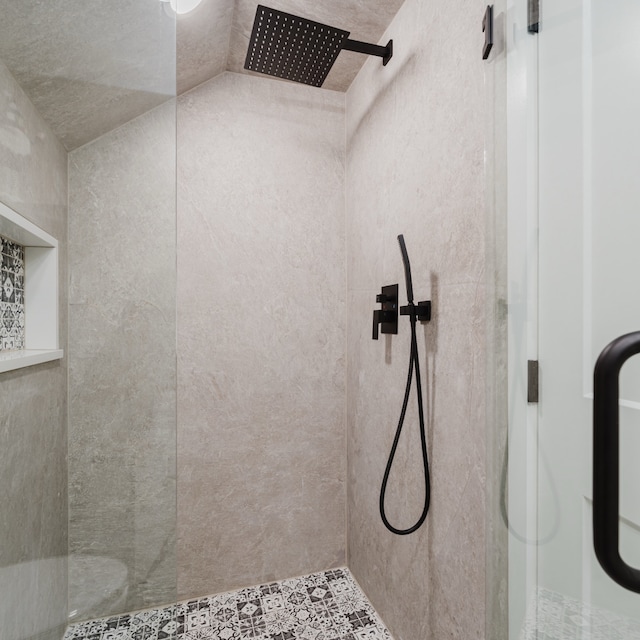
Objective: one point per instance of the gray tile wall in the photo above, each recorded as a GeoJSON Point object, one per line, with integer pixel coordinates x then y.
{"type": "Point", "coordinates": [261, 329]}
{"type": "Point", "coordinates": [122, 359]}
{"type": "Point", "coordinates": [33, 427]}
{"type": "Point", "coordinates": [415, 136]}
{"type": "Point", "coordinates": [497, 566]}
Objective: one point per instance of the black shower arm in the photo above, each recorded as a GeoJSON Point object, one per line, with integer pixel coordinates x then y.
{"type": "Point", "coordinates": [386, 53]}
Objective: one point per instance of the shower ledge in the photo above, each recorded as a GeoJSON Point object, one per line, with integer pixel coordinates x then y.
{"type": "Point", "coordinates": [10, 360]}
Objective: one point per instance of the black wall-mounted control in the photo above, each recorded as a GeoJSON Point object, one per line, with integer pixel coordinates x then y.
{"type": "Point", "coordinates": [422, 310]}
{"type": "Point", "coordinates": [386, 318]}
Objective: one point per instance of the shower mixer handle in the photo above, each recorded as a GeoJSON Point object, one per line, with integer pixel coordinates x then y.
{"type": "Point", "coordinates": [386, 319]}
{"type": "Point", "coordinates": [379, 317]}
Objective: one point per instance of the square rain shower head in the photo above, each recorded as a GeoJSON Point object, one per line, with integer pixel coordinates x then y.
{"type": "Point", "coordinates": [293, 48]}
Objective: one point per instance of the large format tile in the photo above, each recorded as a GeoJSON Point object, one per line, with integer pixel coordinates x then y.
{"type": "Point", "coordinates": [122, 358]}
{"type": "Point", "coordinates": [415, 166]}
{"type": "Point", "coordinates": [33, 400]}
{"type": "Point", "coordinates": [261, 455]}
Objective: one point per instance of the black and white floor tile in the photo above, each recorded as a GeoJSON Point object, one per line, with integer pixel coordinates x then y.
{"type": "Point", "coordinates": [321, 606]}
{"type": "Point", "coordinates": [11, 295]}
{"type": "Point", "coordinates": [554, 616]}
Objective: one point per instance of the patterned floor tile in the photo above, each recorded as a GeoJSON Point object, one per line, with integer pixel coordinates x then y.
{"type": "Point", "coordinates": [321, 606]}
{"type": "Point", "coordinates": [553, 616]}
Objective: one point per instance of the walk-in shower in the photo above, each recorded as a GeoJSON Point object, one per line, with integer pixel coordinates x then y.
{"type": "Point", "coordinates": [204, 456]}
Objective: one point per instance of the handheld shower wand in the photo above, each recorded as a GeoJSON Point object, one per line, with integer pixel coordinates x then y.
{"type": "Point", "coordinates": [407, 268]}
{"type": "Point", "coordinates": [422, 312]}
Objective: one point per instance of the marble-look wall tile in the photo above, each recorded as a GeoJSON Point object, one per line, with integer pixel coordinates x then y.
{"type": "Point", "coordinates": [497, 420]}
{"type": "Point", "coordinates": [122, 358]}
{"type": "Point", "coordinates": [33, 425]}
{"type": "Point", "coordinates": [202, 42]}
{"type": "Point", "coordinates": [89, 67]}
{"type": "Point", "coordinates": [261, 323]}
{"type": "Point", "coordinates": [415, 136]}
{"type": "Point", "coordinates": [33, 176]}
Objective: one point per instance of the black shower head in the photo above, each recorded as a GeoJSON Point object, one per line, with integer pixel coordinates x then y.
{"type": "Point", "coordinates": [294, 48]}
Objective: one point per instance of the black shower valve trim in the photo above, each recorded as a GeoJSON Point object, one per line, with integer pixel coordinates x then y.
{"type": "Point", "coordinates": [385, 320]}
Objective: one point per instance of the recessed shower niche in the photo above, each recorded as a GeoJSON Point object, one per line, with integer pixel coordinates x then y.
{"type": "Point", "coordinates": [29, 311]}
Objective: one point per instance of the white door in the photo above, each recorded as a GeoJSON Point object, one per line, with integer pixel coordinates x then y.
{"type": "Point", "coordinates": [588, 117]}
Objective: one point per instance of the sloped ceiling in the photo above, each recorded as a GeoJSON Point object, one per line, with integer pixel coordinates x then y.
{"type": "Point", "coordinates": [91, 65]}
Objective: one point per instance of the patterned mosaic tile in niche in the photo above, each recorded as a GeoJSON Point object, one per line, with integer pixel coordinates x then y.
{"type": "Point", "coordinates": [322, 606]}
{"type": "Point", "coordinates": [11, 296]}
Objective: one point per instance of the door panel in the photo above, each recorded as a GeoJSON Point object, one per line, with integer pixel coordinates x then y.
{"type": "Point", "coordinates": [589, 293]}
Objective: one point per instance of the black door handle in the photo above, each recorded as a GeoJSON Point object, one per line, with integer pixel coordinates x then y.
{"type": "Point", "coordinates": [606, 460]}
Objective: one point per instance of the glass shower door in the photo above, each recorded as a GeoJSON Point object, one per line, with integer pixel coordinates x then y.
{"type": "Point", "coordinates": [588, 238]}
